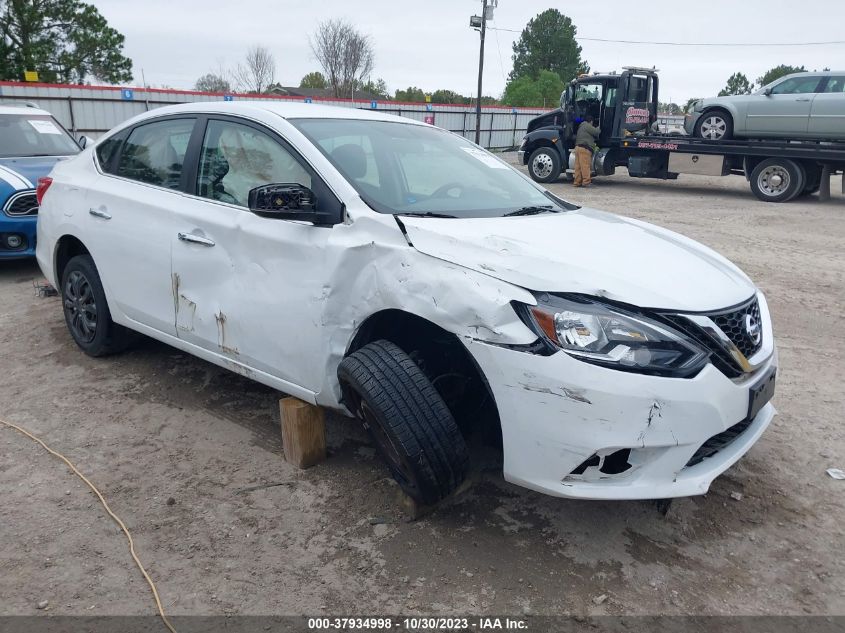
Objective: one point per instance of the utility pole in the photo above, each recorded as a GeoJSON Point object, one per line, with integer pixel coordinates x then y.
{"type": "Point", "coordinates": [480, 74]}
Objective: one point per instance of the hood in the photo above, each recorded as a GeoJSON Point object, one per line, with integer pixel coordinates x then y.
{"type": "Point", "coordinates": [21, 173]}
{"type": "Point", "coordinates": [589, 252]}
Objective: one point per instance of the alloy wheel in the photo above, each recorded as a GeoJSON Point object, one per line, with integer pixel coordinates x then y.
{"type": "Point", "coordinates": [714, 127]}
{"type": "Point", "coordinates": [80, 307]}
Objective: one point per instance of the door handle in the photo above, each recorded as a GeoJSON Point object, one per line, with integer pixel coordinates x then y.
{"type": "Point", "coordinates": [803, 99]}
{"type": "Point", "coordinates": [196, 239]}
{"type": "Point", "coordinates": [100, 213]}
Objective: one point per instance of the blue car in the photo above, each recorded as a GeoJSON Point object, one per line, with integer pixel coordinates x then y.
{"type": "Point", "coordinates": [31, 143]}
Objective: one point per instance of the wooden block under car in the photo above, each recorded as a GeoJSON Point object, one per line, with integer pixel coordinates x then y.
{"type": "Point", "coordinates": [303, 432]}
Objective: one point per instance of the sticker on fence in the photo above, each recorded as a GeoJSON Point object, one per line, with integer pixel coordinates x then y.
{"type": "Point", "coordinates": [42, 126]}
{"type": "Point", "coordinates": [484, 157]}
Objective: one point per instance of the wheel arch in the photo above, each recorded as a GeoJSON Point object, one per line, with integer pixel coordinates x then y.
{"type": "Point", "coordinates": [439, 353]}
{"type": "Point", "coordinates": [67, 247]}
{"type": "Point", "coordinates": [729, 109]}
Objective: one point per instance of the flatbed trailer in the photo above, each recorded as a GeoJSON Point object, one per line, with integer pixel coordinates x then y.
{"type": "Point", "coordinates": [625, 107]}
{"type": "Point", "coordinates": [777, 171]}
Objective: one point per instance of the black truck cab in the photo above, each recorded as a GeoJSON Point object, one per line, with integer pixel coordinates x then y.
{"type": "Point", "coordinates": [622, 105]}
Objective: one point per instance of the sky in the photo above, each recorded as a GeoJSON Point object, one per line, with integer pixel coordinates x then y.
{"type": "Point", "coordinates": [430, 44]}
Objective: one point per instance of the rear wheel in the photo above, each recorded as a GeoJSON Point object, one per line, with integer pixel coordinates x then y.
{"type": "Point", "coordinates": [813, 181]}
{"type": "Point", "coordinates": [407, 419]}
{"type": "Point", "coordinates": [86, 311]}
{"type": "Point", "coordinates": [777, 180]}
{"type": "Point", "coordinates": [715, 125]}
{"type": "Point", "coordinates": [544, 164]}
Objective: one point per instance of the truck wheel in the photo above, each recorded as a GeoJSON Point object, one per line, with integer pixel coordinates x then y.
{"type": "Point", "coordinates": [715, 125]}
{"type": "Point", "coordinates": [813, 181]}
{"type": "Point", "coordinates": [407, 419]}
{"type": "Point", "coordinates": [777, 180]}
{"type": "Point", "coordinates": [544, 165]}
{"type": "Point", "coordinates": [87, 313]}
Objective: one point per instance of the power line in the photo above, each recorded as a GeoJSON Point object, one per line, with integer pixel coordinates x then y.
{"type": "Point", "coordinates": [499, 49]}
{"type": "Point", "coordinates": [599, 39]}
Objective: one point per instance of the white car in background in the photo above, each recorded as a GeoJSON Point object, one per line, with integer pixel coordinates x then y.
{"type": "Point", "coordinates": [398, 273]}
{"type": "Point", "coordinates": [797, 106]}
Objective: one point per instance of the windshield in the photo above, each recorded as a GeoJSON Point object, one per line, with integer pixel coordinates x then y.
{"type": "Point", "coordinates": [422, 170]}
{"type": "Point", "coordinates": [33, 135]}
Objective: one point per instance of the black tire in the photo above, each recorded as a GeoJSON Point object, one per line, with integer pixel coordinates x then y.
{"type": "Point", "coordinates": [715, 125]}
{"type": "Point", "coordinates": [813, 180]}
{"type": "Point", "coordinates": [407, 419]}
{"type": "Point", "coordinates": [777, 180]}
{"type": "Point", "coordinates": [86, 311]}
{"type": "Point", "coordinates": [544, 164]}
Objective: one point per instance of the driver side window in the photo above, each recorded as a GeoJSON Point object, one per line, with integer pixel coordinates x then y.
{"type": "Point", "coordinates": [236, 158]}
{"type": "Point", "coordinates": [796, 86]}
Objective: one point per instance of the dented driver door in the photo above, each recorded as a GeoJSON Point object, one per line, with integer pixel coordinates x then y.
{"type": "Point", "coordinates": [247, 288]}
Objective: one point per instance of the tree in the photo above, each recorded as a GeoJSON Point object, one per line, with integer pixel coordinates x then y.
{"type": "Point", "coordinates": [738, 84]}
{"type": "Point", "coordinates": [447, 96]}
{"type": "Point", "coordinates": [548, 43]}
{"type": "Point", "coordinates": [550, 87]}
{"type": "Point", "coordinates": [377, 88]}
{"type": "Point", "coordinates": [523, 92]}
{"type": "Point", "coordinates": [412, 94]}
{"type": "Point", "coordinates": [314, 80]}
{"type": "Point", "coordinates": [669, 108]}
{"type": "Point", "coordinates": [64, 40]}
{"type": "Point", "coordinates": [258, 71]}
{"type": "Point", "coordinates": [528, 92]}
{"type": "Point", "coordinates": [345, 54]}
{"type": "Point", "coordinates": [777, 72]}
{"type": "Point", "coordinates": [211, 82]}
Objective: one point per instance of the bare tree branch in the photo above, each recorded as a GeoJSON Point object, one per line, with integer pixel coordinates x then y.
{"type": "Point", "coordinates": [346, 55]}
{"type": "Point", "coordinates": [258, 71]}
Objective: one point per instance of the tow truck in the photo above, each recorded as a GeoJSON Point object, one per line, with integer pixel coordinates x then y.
{"type": "Point", "coordinates": [625, 104]}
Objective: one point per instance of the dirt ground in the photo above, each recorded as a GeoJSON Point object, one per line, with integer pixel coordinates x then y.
{"type": "Point", "coordinates": [180, 447]}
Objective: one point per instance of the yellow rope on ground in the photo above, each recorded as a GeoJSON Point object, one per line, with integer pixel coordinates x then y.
{"type": "Point", "coordinates": [111, 514]}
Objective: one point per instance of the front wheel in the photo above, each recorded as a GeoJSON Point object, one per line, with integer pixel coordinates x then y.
{"type": "Point", "coordinates": [86, 311]}
{"type": "Point", "coordinates": [407, 419]}
{"type": "Point", "coordinates": [715, 125]}
{"type": "Point", "coordinates": [544, 165]}
{"type": "Point", "coordinates": [777, 180]}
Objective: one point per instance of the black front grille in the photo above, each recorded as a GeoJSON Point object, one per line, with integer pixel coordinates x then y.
{"type": "Point", "coordinates": [22, 204]}
{"type": "Point", "coordinates": [718, 442]}
{"type": "Point", "coordinates": [735, 325]}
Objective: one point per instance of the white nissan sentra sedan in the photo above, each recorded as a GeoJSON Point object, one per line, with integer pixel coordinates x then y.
{"type": "Point", "coordinates": [396, 272]}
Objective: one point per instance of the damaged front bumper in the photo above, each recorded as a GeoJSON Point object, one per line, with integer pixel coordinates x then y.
{"type": "Point", "coordinates": [572, 429]}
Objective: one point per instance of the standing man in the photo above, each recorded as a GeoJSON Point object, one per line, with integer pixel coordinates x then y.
{"type": "Point", "coordinates": [585, 141]}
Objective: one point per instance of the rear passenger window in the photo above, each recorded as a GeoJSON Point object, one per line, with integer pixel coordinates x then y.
{"type": "Point", "coordinates": [835, 84]}
{"type": "Point", "coordinates": [154, 153]}
{"type": "Point", "coordinates": [107, 150]}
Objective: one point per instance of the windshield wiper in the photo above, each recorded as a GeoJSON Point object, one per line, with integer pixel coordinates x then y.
{"type": "Point", "coordinates": [427, 214]}
{"type": "Point", "coordinates": [532, 211]}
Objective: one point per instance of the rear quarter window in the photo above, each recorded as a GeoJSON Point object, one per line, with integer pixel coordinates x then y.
{"type": "Point", "coordinates": [107, 152]}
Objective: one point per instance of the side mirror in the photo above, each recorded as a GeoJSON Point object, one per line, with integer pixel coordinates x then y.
{"type": "Point", "coordinates": [82, 141]}
{"type": "Point", "coordinates": [767, 92]}
{"type": "Point", "coordinates": [287, 201]}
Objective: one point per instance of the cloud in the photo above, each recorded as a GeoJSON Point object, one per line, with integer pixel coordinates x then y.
{"type": "Point", "coordinates": [432, 46]}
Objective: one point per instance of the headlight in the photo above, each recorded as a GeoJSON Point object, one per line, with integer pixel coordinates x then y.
{"type": "Point", "coordinates": [611, 336]}
{"type": "Point", "coordinates": [698, 106]}
{"type": "Point", "coordinates": [524, 141]}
